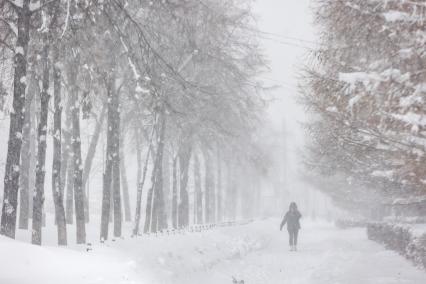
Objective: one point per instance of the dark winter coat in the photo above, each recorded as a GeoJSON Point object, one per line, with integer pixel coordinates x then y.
{"type": "Point", "coordinates": [292, 219]}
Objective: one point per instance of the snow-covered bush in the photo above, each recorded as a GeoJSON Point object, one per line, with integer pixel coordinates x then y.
{"type": "Point", "coordinates": [406, 220]}
{"type": "Point", "coordinates": [400, 238]}
{"type": "Point", "coordinates": [416, 250]}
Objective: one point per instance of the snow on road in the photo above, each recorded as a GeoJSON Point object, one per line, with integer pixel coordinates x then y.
{"type": "Point", "coordinates": [255, 253]}
{"type": "Point", "coordinates": [326, 255]}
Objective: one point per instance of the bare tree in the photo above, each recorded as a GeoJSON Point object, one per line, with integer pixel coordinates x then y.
{"type": "Point", "coordinates": [76, 157]}
{"type": "Point", "coordinates": [38, 200]}
{"type": "Point", "coordinates": [198, 191]}
{"type": "Point", "coordinates": [24, 180]}
{"type": "Point", "coordinates": [58, 197]}
{"type": "Point", "coordinates": [124, 183]}
{"type": "Point", "coordinates": [90, 156]}
{"type": "Point", "coordinates": [183, 205]}
{"type": "Point", "coordinates": [11, 180]}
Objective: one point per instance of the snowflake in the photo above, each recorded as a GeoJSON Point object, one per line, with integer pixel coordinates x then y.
{"type": "Point", "coordinates": [8, 207]}
{"type": "Point", "coordinates": [15, 168]}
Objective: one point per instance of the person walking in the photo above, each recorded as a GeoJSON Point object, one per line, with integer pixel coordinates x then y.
{"type": "Point", "coordinates": [292, 218]}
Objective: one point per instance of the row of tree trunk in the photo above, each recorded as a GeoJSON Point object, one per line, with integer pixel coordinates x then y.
{"type": "Point", "coordinates": [208, 203]}
{"type": "Point", "coordinates": [69, 177]}
{"type": "Point", "coordinates": [26, 153]}
{"type": "Point", "coordinates": [67, 171]}
{"type": "Point", "coordinates": [12, 170]}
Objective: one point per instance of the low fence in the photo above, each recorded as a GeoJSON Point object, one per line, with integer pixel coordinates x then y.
{"type": "Point", "coordinates": [400, 238]}
{"type": "Point", "coordinates": [198, 228]}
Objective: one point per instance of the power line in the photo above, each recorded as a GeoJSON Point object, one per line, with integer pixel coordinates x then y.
{"type": "Point", "coordinates": [287, 43]}
{"type": "Point", "coordinates": [267, 35]}
{"type": "Point", "coordinates": [283, 36]}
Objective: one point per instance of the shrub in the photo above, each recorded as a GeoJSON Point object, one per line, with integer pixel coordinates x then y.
{"type": "Point", "coordinates": [400, 238]}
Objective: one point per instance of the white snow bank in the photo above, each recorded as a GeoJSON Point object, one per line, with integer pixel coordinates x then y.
{"type": "Point", "coordinates": [257, 253]}
{"type": "Point", "coordinates": [146, 259]}
{"type": "Point", "coordinates": [325, 255]}
{"type": "Point", "coordinates": [175, 256]}
{"type": "Point", "coordinates": [25, 263]}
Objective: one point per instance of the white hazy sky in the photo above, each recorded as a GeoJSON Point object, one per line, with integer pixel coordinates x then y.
{"type": "Point", "coordinates": [290, 22]}
{"type": "Point", "coordinates": [289, 34]}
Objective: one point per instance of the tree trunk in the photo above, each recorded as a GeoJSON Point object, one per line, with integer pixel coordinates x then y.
{"type": "Point", "coordinates": [115, 104]}
{"type": "Point", "coordinates": [117, 196]}
{"type": "Point", "coordinates": [77, 162]}
{"type": "Point", "coordinates": [138, 183]}
{"type": "Point", "coordinates": [230, 201]}
{"type": "Point", "coordinates": [124, 184]}
{"type": "Point", "coordinates": [33, 158]}
{"type": "Point", "coordinates": [138, 209]}
{"type": "Point", "coordinates": [149, 210]}
{"type": "Point", "coordinates": [112, 167]}
{"type": "Point", "coordinates": [111, 201]}
{"type": "Point", "coordinates": [89, 158]}
{"type": "Point", "coordinates": [141, 183]}
{"type": "Point", "coordinates": [149, 205]}
{"type": "Point", "coordinates": [11, 178]}
{"type": "Point", "coordinates": [70, 191]}
{"type": "Point", "coordinates": [155, 215]}
{"type": "Point", "coordinates": [38, 200]}
{"type": "Point", "coordinates": [209, 188]}
{"type": "Point", "coordinates": [166, 182]}
{"type": "Point", "coordinates": [106, 201]}
{"type": "Point", "coordinates": [184, 157]}
{"type": "Point", "coordinates": [67, 168]}
{"type": "Point", "coordinates": [175, 212]}
{"type": "Point", "coordinates": [58, 198]}
{"type": "Point", "coordinates": [219, 186]}
{"type": "Point", "coordinates": [160, 213]}
{"type": "Point", "coordinates": [107, 176]}
{"type": "Point", "coordinates": [198, 191]}
{"type": "Point", "coordinates": [26, 153]}
{"type": "Point", "coordinates": [93, 145]}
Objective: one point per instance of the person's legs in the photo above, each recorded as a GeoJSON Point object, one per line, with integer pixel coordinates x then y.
{"type": "Point", "coordinates": [296, 233]}
{"type": "Point", "coordinates": [290, 237]}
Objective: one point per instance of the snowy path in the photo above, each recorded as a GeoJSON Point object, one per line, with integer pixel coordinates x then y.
{"type": "Point", "coordinates": [326, 255]}
{"type": "Point", "coordinates": [255, 253]}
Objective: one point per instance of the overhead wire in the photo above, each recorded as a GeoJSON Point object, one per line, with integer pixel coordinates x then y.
{"type": "Point", "coordinates": [286, 37]}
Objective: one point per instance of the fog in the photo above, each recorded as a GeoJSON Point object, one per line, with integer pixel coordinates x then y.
{"type": "Point", "coordinates": [212, 141]}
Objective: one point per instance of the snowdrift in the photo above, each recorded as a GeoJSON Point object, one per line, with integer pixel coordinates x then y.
{"type": "Point", "coordinates": [155, 258]}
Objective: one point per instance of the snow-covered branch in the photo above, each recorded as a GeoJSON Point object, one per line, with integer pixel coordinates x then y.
{"type": "Point", "coordinates": [18, 4]}
{"type": "Point", "coordinates": [37, 6]}
{"type": "Point", "coordinates": [11, 25]}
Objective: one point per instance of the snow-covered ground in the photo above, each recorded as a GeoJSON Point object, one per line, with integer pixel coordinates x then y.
{"type": "Point", "coordinates": [255, 253]}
